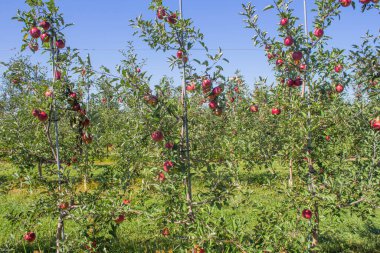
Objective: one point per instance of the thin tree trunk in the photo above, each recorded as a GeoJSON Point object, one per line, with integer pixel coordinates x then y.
{"type": "Point", "coordinates": [291, 172]}
{"type": "Point", "coordinates": [40, 169]}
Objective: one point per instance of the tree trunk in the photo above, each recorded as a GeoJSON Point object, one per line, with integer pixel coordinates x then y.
{"type": "Point", "coordinates": [39, 169]}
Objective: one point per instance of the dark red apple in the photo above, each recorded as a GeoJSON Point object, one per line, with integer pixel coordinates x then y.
{"type": "Point", "coordinates": [73, 95]}
{"type": "Point", "coordinates": [218, 111]}
{"type": "Point", "coordinates": [328, 138]}
{"type": "Point", "coordinates": [76, 107]}
{"type": "Point", "coordinates": [60, 44]}
{"type": "Point", "coordinates": [169, 145]}
{"type": "Point", "coordinates": [35, 32]}
{"type": "Point", "coordinates": [288, 41]}
{"type": "Point", "coordinates": [86, 122]}
{"type": "Point", "coordinates": [42, 116]}
{"type": "Point", "coordinates": [276, 111]}
{"type": "Point", "coordinates": [339, 88]}
{"type": "Point", "coordinates": [120, 219]}
{"type": "Point", "coordinates": [206, 83]}
{"type": "Point", "coordinates": [345, 3]}
{"type": "Point", "coordinates": [172, 19]}
{"type": "Point", "coordinates": [290, 82]}
{"type": "Point", "coordinates": [279, 62]}
{"type": "Point", "coordinates": [63, 205]}
{"type": "Point", "coordinates": [57, 75]}
{"type": "Point", "coordinates": [161, 13]}
{"type": "Point", "coordinates": [318, 32]}
{"type": "Point", "coordinates": [87, 138]}
{"type": "Point", "coordinates": [364, 1]}
{"type": "Point", "coordinates": [165, 232]}
{"type": "Point", "coordinates": [168, 165]}
{"type": "Point", "coordinates": [338, 68]}
{"type": "Point", "coordinates": [179, 54]}
{"type": "Point", "coordinates": [213, 105]}
{"type": "Point", "coordinates": [44, 24]}
{"type": "Point", "coordinates": [157, 136]}
{"type": "Point", "coordinates": [306, 213]}
{"type": "Point", "coordinates": [217, 90]}
{"type": "Point", "coordinates": [35, 112]}
{"type": "Point", "coordinates": [33, 46]}
{"type": "Point", "coordinates": [284, 21]}
{"type": "Point", "coordinates": [298, 81]}
{"type": "Point", "coordinates": [30, 236]}
{"type": "Point", "coordinates": [45, 37]}
{"type": "Point", "coordinates": [297, 55]}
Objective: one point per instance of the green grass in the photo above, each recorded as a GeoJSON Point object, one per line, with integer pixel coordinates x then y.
{"type": "Point", "coordinates": [349, 234]}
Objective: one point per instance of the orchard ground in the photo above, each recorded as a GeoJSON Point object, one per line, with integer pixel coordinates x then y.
{"type": "Point", "coordinates": [346, 233]}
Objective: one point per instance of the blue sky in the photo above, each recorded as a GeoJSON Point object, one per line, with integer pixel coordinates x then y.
{"type": "Point", "coordinates": [103, 25]}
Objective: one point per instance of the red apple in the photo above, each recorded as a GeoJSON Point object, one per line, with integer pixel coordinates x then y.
{"type": "Point", "coordinates": [185, 59]}
{"type": "Point", "coordinates": [73, 95]}
{"type": "Point", "coordinates": [87, 138]}
{"type": "Point", "coordinates": [218, 111]}
{"type": "Point", "coordinates": [297, 55]}
{"type": "Point", "coordinates": [60, 44]}
{"type": "Point", "coordinates": [30, 236]}
{"type": "Point", "coordinates": [35, 112]}
{"type": "Point", "coordinates": [306, 213]}
{"type": "Point", "coordinates": [284, 21]}
{"type": "Point", "coordinates": [169, 145]}
{"type": "Point", "coordinates": [276, 111]}
{"type": "Point", "coordinates": [179, 54]}
{"type": "Point", "coordinates": [57, 75]}
{"type": "Point", "coordinates": [161, 13]}
{"type": "Point", "coordinates": [190, 87]}
{"type": "Point", "coordinates": [35, 32]}
{"type": "Point", "coordinates": [206, 83]}
{"type": "Point", "coordinates": [236, 89]}
{"type": "Point", "coordinates": [45, 37]}
{"type": "Point", "coordinates": [364, 1]}
{"type": "Point", "coordinates": [76, 107]}
{"type": "Point", "coordinates": [42, 116]}
{"type": "Point", "coordinates": [279, 62]}
{"type": "Point", "coordinates": [172, 19]}
{"type": "Point", "coordinates": [86, 122]}
{"type": "Point", "coordinates": [157, 136]}
{"type": "Point", "coordinates": [290, 83]}
{"type": "Point", "coordinates": [168, 165]}
{"type": "Point", "coordinates": [339, 88]}
{"type": "Point", "coordinates": [288, 41]}
{"type": "Point", "coordinates": [303, 67]}
{"type": "Point", "coordinates": [298, 81]}
{"type": "Point", "coordinates": [161, 177]}
{"type": "Point", "coordinates": [375, 123]}
{"type": "Point", "coordinates": [254, 108]}
{"type": "Point", "coordinates": [328, 138]}
{"type": "Point", "coordinates": [120, 219]}
{"type": "Point", "coordinates": [126, 202]}
{"type": "Point", "coordinates": [217, 90]}
{"type": "Point", "coordinates": [213, 105]}
{"type": "Point", "coordinates": [345, 3]}
{"type": "Point", "coordinates": [138, 70]}
{"type": "Point", "coordinates": [270, 56]}
{"type": "Point", "coordinates": [48, 93]}
{"type": "Point", "coordinates": [318, 32]}
{"type": "Point", "coordinates": [338, 68]}
{"type": "Point", "coordinates": [63, 205]}
{"type": "Point", "coordinates": [44, 24]}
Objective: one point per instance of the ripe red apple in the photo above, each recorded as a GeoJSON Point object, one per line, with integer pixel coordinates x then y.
{"type": "Point", "coordinates": [375, 123]}
{"type": "Point", "coordinates": [279, 62]}
{"type": "Point", "coordinates": [338, 68]}
{"type": "Point", "coordinates": [126, 202]}
{"type": "Point", "coordinates": [60, 44]}
{"type": "Point", "coordinates": [284, 21]}
{"type": "Point", "coordinates": [172, 19]}
{"type": "Point", "coordinates": [86, 122]}
{"type": "Point", "coordinates": [104, 100]}
{"type": "Point", "coordinates": [57, 75]}
{"type": "Point", "coordinates": [364, 1]}
{"type": "Point", "coordinates": [33, 46]}
{"type": "Point", "coordinates": [345, 3]}
{"type": "Point", "coordinates": [76, 107]}
{"type": "Point", "coordinates": [42, 116]}
{"type": "Point", "coordinates": [153, 100]}
{"type": "Point", "coordinates": [328, 138]}
{"type": "Point", "coordinates": [35, 112]}
{"type": "Point", "coordinates": [339, 88]}
{"type": "Point", "coordinates": [73, 95]}
{"type": "Point", "coordinates": [82, 112]}
{"type": "Point", "coordinates": [270, 56]}
{"type": "Point", "coordinates": [297, 55]}
{"type": "Point", "coordinates": [165, 232]}
{"type": "Point", "coordinates": [206, 83]}
{"type": "Point", "coordinates": [318, 32]}
{"type": "Point", "coordinates": [290, 82]}
{"type": "Point", "coordinates": [45, 37]}
{"type": "Point", "coordinates": [288, 41]}
{"type": "Point", "coordinates": [375, 1]}
{"type": "Point", "coordinates": [157, 136]}
{"type": "Point", "coordinates": [236, 89]}
{"type": "Point", "coordinates": [190, 87]}
{"type": "Point", "coordinates": [91, 247]}
{"type": "Point", "coordinates": [232, 99]}
{"type": "Point", "coordinates": [298, 81]}
{"type": "Point", "coordinates": [63, 205]}
{"type": "Point", "coordinates": [217, 90]}
{"type": "Point", "coordinates": [276, 111]}
{"type": "Point", "coordinates": [254, 108]}
{"type": "Point", "coordinates": [303, 67]}
{"type": "Point", "coordinates": [161, 177]}
{"type": "Point", "coordinates": [168, 165]}
{"type": "Point", "coordinates": [120, 219]}
{"type": "Point", "coordinates": [213, 105]}
{"type": "Point", "coordinates": [87, 138]}
{"type": "Point", "coordinates": [44, 24]}
{"type": "Point", "coordinates": [169, 145]}
{"type": "Point", "coordinates": [185, 59]}
{"type": "Point", "coordinates": [30, 236]}
{"type": "Point", "coordinates": [138, 70]}
{"type": "Point", "coordinates": [306, 213]}
{"type": "Point", "coordinates": [35, 32]}
{"type": "Point", "coordinates": [161, 13]}
{"type": "Point", "coordinates": [179, 54]}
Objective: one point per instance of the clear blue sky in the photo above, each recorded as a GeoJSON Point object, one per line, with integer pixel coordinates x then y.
{"type": "Point", "coordinates": [103, 25]}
